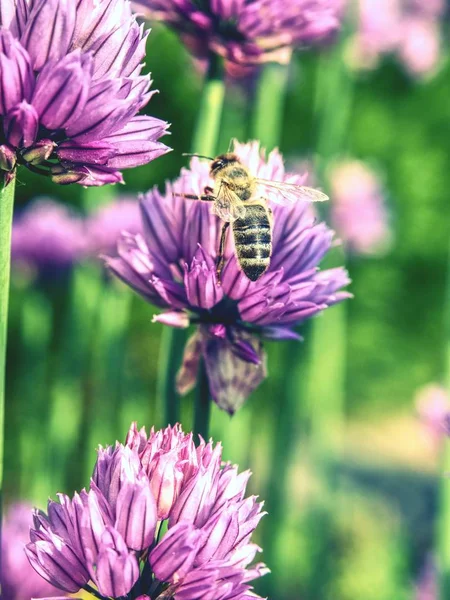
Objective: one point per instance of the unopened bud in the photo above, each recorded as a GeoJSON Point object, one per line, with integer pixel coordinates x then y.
{"type": "Point", "coordinates": [41, 151]}
{"type": "Point", "coordinates": [21, 125]}
{"type": "Point", "coordinates": [64, 176]}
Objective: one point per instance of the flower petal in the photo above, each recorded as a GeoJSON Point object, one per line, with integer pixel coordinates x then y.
{"type": "Point", "coordinates": [49, 30]}
{"type": "Point", "coordinates": [231, 379]}
{"type": "Point", "coordinates": [21, 125]}
{"type": "Point", "coordinates": [16, 76]}
{"type": "Point", "coordinates": [62, 90]}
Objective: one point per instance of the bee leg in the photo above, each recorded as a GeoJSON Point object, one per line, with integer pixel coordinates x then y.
{"type": "Point", "coordinates": [208, 191]}
{"type": "Point", "coordinates": [220, 256]}
{"type": "Point", "coordinates": [203, 198]}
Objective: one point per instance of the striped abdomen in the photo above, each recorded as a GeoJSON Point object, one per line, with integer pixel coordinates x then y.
{"type": "Point", "coordinates": [253, 240]}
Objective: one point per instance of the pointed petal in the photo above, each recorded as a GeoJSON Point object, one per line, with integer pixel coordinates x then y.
{"type": "Point", "coordinates": [231, 379]}
{"type": "Point", "coordinates": [49, 30]}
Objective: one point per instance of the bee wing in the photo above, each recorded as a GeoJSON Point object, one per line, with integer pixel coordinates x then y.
{"type": "Point", "coordinates": [288, 193]}
{"type": "Point", "coordinates": [227, 205]}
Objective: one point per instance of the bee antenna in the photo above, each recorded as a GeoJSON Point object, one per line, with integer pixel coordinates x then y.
{"type": "Point", "coordinates": [198, 155]}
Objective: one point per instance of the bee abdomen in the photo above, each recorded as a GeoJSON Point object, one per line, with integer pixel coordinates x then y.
{"type": "Point", "coordinates": [253, 242]}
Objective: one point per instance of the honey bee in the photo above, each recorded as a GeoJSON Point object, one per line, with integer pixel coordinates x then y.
{"type": "Point", "coordinates": [236, 201]}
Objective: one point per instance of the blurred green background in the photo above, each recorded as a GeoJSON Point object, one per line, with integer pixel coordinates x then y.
{"type": "Point", "coordinates": [354, 516]}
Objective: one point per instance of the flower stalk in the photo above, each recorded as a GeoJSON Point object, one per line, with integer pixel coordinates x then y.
{"type": "Point", "coordinates": [443, 525]}
{"type": "Point", "coordinates": [171, 353]}
{"type": "Point", "coordinates": [102, 372]}
{"type": "Point", "coordinates": [333, 104]}
{"type": "Point", "coordinates": [204, 142]}
{"type": "Point", "coordinates": [6, 215]}
{"type": "Point", "coordinates": [202, 403]}
{"type": "Point", "coordinates": [207, 128]}
{"type": "Point", "coordinates": [269, 105]}
{"type": "Point", "coordinates": [37, 334]}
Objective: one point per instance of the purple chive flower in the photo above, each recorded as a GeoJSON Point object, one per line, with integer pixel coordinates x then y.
{"type": "Point", "coordinates": [47, 237]}
{"type": "Point", "coordinates": [71, 88]}
{"type": "Point", "coordinates": [247, 32]}
{"type": "Point", "coordinates": [358, 211]}
{"type": "Point", "coordinates": [107, 222]}
{"type": "Point", "coordinates": [111, 537]}
{"type": "Point", "coordinates": [172, 264]}
{"type": "Point", "coordinates": [409, 29]}
{"type": "Point", "coordinates": [19, 580]}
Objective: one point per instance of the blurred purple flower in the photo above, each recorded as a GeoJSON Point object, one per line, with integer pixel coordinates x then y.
{"type": "Point", "coordinates": [433, 408]}
{"type": "Point", "coordinates": [358, 211]}
{"type": "Point", "coordinates": [19, 580]}
{"type": "Point", "coordinates": [70, 90]}
{"type": "Point", "coordinates": [420, 48]}
{"type": "Point", "coordinates": [247, 32]}
{"type": "Point", "coordinates": [111, 535]}
{"type": "Point", "coordinates": [172, 264]}
{"type": "Point", "coordinates": [409, 29]}
{"type": "Point", "coordinates": [47, 236]}
{"type": "Point", "coordinates": [106, 223]}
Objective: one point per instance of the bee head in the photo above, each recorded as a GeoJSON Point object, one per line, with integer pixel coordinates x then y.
{"type": "Point", "coordinates": [222, 161]}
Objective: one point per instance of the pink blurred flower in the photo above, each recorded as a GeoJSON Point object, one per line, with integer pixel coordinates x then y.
{"type": "Point", "coordinates": [358, 211]}
{"type": "Point", "coordinates": [409, 29]}
{"type": "Point", "coordinates": [105, 225]}
{"type": "Point", "coordinates": [433, 407]}
{"type": "Point", "coordinates": [48, 236]}
{"type": "Point", "coordinates": [420, 46]}
{"type": "Point", "coordinates": [18, 578]}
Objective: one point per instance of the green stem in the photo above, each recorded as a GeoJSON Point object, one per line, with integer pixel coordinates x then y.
{"type": "Point", "coordinates": [269, 105]}
{"type": "Point", "coordinates": [334, 95]}
{"type": "Point", "coordinates": [6, 215]}
{"type": "Point", "coordinates": [267, 127]}
{"type": "Point", "coordinates": [171, 353]}
{"type": "Point", "coordinates": [287, 429]}
{"type": "Point", "coordinates": [204, 142]}
{"type": "Point", "coordinates": [202, 403]}
{"type": "Point", "coordinates": [207, 129]}
{"type": "Point", "coordinates": [34, 375]}
{"type": "Point", "coordinates": [72, 389]}
{"type": "Point", "coordinates": [443, 526]}
{"type": "Point", "coordinates": [326, 401]}
{"type": "Point", "coordinates": [333, 103]}
{"type": "Point", "coordinates": [108, 366]}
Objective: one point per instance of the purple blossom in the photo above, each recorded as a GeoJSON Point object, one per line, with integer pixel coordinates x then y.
{"type": "Point", "coordinates": [111, 535]}
{"type": "Point", "coordinates": [71, 88]}
{"type": "Point", "coordinates": [359, 212]}
{"type": "Point", "coordinates": [409, 29]}
{"type": "Point", "coordinates": [247, 32]}
{"type": "Point", "coordinates": [47, 236]}
{"type": "Point", "coordinates": [172, 264]}
{"type": "Point", "coordinates": [106, 223]}
{"type": "Point", "coordinates": [19, 580]}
